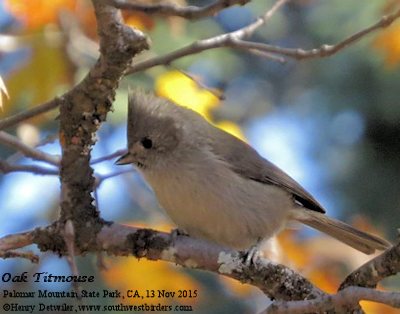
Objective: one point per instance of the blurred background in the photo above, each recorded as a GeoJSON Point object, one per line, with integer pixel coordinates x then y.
{"type": "Point", "coordinates": [333, 124]}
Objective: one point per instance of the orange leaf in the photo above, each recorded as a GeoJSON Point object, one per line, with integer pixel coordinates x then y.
{"type": "Point", "coordinates": [388, 42]}
{"type": "Point", "coordinates": [139, 20]}
{"type": "Point", "coordinates": [377, 308]}
{"type": "Point", "coordinates": [36, 14]}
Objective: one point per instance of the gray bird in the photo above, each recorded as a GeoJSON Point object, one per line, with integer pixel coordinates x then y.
{"type": "Point", "coordinates": [215, 186]}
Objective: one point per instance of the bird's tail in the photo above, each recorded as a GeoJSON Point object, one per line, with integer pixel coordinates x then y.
{"type": "Point", "coordinates": [361, 241]}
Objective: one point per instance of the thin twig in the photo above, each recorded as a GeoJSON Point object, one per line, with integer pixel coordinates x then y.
{"type": "Point", "coordinates": [172, 9]}
{"type": "Point", "coordinates": [267, 55]}
{"type": "Point", "coordinates": [261, 20]}
{"type": "Point", "coordinates": [100, 178]}
{"type": "Point", "coordinates": [207, 44]}
{"type": "Point", "coordinates": [69, 238]}
{"type": "Point", "coordinates": [101, 262]}
{"type": "Point", "coordinates": [237, 42]}
{"type": "Point", "coordinates": [26, 114]}
{"type": "Point", "coordinates": [115, 154]}
{"type": "Point", "coordinates": [16, 241]}
{"type": "Point", "coordinates": [5, 167]}
{"type": "Point", "coordinates": [223, 40]}
{"type": "Point", "coordinates": [203, 86]}
{"type": "Point", "coordinates": [17, 155]}
{"type": "Point", "coordinates": [82, 50]}
{"type": "Point", "coordinates": [28, 151]}
{"type": "Point", "coordinates": [324, 50]}
{"type": "Point", "coordinates": [14, 254]}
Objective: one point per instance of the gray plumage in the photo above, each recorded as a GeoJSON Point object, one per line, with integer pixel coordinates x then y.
{"type": "Point", "coordinates": [215, 186]}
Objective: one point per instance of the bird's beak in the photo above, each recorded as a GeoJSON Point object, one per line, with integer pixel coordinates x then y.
{"type": "Point", "coordinates": [124, 160]}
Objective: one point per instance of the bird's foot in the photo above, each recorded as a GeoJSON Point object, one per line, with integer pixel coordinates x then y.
{"type": "Point", "coordinates": [252, 254]}
{"type": "Point", "coordinates": [175, 233]}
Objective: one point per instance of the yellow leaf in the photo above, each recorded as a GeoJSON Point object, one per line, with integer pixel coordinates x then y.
{"type": "Point", "coordinates": [126, 273]}
{"type": "Point", "coordinates": [184, 91]}
{"type": "Point", "coordinates": [42, 76]}
{"type": "Point", "coordinates": [231, 128]}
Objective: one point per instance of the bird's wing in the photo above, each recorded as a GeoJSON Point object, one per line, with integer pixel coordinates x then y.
{"type": "Point", "coordinates": [245, 161]}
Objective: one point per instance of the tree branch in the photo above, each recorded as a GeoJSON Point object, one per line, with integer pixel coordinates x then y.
{"type": "Point", "coordinates": [5, 167]}
{"type": "Point", "coordinates": [248, 30]}
{"type": "Point", "coordinates": [368, 275]}
{"type": "Point", "coordinates": [28, 151]}
{"type": "Point", "coordinates": [277, 281]}
{"type": "Point", "coordinates": [324, 50]}
{"type": "Point", "coordinates": [81, 113]}
{"type": "Point", "coordinates": [26, 114]}
{"type": "Point", "coordinates": [102, 177]}
{"type": "Point", "coordinates": [33, 258]}
{"type": "Point", "coordinates": [219, 41]}
{"type": "Point", "coordinates": [16, 240]}
{"type": "Point", "coordinates": [69, 239]}
{"type": "Point", "coordinates": [172, 9]}
{"type": "Point", "coordinates": [115, 154]}
{"type": "Point", "coordinates": [235, 40]}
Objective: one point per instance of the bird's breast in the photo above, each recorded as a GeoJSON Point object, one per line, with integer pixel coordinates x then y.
{"type": "Point", "coordinates": [213, 202]}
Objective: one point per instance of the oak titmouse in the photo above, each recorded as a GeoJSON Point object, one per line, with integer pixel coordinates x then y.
{"type": "Point", "coordinates": [215, 186]}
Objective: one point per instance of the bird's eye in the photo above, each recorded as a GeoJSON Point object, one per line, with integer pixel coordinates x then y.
{"type": "Point", "coordinates": [146, 142]}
